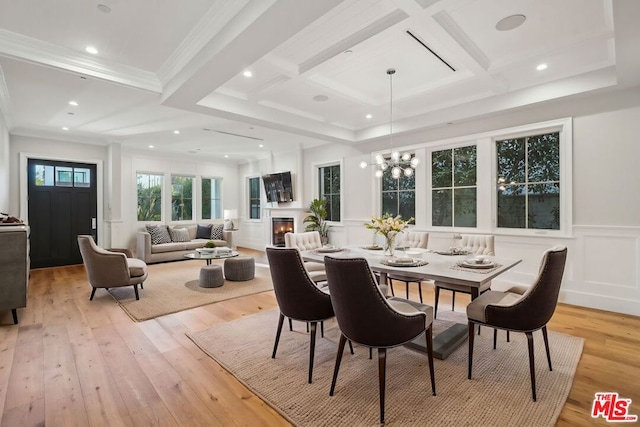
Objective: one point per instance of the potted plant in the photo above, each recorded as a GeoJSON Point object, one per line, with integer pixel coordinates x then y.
{"type": "Point", "coordinates": [317, 220]}
{"type": "Point", "coordinates": [210, 244]}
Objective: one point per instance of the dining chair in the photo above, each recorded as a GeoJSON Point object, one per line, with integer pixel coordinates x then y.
{"type": "Point", "coordinates": [525, 312]}
{"type": "Point", "coordinates": [298, 296]}
{"type": "Point", "coordinates": [307, 241]}
{"type": "Point", "coordinates": [110, 269]}
{"type": "Point", "coordinates": [412, 239]}
{"type": "Point", "coordinates": [366, 317]}
{"type": "Point", "coordinates": [472, 244]}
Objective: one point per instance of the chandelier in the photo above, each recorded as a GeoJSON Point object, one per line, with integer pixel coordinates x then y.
{"type": "Point", "coordinates": [400, 164]}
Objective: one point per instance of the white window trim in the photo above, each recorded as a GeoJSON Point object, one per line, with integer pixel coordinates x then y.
{"type": "Point", "coordinates": [429, 194]}
{"type": "Point", "coordinates": [194, 204]}
{"type": "Point", "coordinates": [162, 202]}
{"type": "Point", "coordinates": [247, 194]}
{"type": "Point", "coordinates": [200, 201]}
{"type": "Point", "coordinates": [316, 185]}
{"type": "Point", "coordinates": [565, 129]}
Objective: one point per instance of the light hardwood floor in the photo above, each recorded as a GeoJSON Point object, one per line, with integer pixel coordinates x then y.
{"type": "Point", "coordinates": [72, 361]}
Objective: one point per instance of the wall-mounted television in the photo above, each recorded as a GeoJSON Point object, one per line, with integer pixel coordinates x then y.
{"type": "Point", "coordinates": [278, 187]}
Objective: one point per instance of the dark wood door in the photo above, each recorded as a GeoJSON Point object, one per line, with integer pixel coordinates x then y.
{"type": "Point", "coordinates": [62, 204]}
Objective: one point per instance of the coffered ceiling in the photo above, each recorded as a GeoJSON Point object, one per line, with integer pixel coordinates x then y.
{"type": "Point", "coordinates": [318, 67]}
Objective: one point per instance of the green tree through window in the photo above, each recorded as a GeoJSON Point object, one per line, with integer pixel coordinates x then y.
{"type": "Point", "coordinates": [211, 198]}
{"type": "Point", "coordinates": [528, 190]}
{"type": "Point", "coordinates": [399, 195]}
{"type": "Point", "coordinates": [149, 197]}
{"type": "Point", "coordinates": [181, 198]}
{"type": "Point", "coordinates": [329, 191]}
{"type": "Point", "coordinates": [454, 191]}
{"type": "Point", "coordinates": [254, 198]}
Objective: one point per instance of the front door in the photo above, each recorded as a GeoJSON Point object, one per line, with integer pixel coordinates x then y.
{"type": "Point", "coordinates": [62, 204]}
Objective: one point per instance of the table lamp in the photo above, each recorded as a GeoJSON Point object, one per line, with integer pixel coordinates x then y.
{"type": "Point", "coordinates": [229, 215]}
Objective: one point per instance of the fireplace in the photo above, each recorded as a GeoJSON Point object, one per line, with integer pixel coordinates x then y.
{"type": "Point", "coordinates": [280, 226]}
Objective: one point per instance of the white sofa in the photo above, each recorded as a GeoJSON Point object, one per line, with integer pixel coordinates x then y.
{"type": "Point", "coordinates": [175, 250]}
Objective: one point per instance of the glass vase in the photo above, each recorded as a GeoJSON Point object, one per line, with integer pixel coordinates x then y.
{"type": "Point", "coordinates": [389, 244]}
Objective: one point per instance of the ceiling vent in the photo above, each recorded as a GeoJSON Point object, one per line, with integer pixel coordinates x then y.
{"type": "Point", "coordinates": [430, 50]}
{"type": "Point", "coordinates": [233, 134]}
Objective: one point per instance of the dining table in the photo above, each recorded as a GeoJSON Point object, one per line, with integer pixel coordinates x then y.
{"type": "Point", "coordinates": [449, 266]}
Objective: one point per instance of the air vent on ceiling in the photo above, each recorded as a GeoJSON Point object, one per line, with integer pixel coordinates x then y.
{"type": "Point", "coordinates": [233, 134]}
{"type": "Point", "coordinates": [430, 50]}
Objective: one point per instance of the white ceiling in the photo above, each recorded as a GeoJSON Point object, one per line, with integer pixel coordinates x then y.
{"type": "Point", "coordinates": [165, 66]}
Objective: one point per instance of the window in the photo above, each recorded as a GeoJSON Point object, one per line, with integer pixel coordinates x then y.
{"type": "Point", "coordinates": [254, 198]}
{"type": "Point", "coordinates": [329, 190]}
{"type": "Point", "coordinates": [149, 197]}
{"type": "Point", "coordinates": [181, 198]}
{"type": "Point", "coordinates": [399, 195]}
{"type": "Point", "coordinates": [211, 198]}
{"type": "Point", "coordinates": [528, 191]}
{"type": "Point", "coordinates": [453, 186]}
{"type": "Point", "coordinates": [61, 176]}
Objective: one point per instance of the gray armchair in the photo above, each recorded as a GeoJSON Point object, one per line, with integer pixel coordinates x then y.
{"type": "Point", "coordinates": [106, 269]}
{"type": "Point", "coordinates": [525, 312]}
{"type": "Point", "coordinates": [366, 317]}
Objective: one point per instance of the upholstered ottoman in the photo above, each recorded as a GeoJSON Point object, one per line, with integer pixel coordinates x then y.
{"type": "Point", "coordinates": [239, 269]}
{"type": "Point", "coordinates": [211, 276]}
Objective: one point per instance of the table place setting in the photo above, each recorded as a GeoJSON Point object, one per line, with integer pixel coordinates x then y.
{"type": "Point", "coordinates": [478, 264]}
{"type": "Point", "coordinates": [328, 249]}
{"type": "Point", "coordinates": [452, 251]}
{"type": "Point", "coordinates": [403, 262]}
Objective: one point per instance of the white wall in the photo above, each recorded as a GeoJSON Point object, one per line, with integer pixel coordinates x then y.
{"type": "Point", "coordinates": [5, 161]}
{"type": "Point", "coordinates": [603, 267]}
{"type": "Point", "coordinates": [124, 230]}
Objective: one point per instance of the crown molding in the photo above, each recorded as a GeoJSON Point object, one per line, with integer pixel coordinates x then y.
{"type": "Point", "coordinates": [5, 102]}
{"type": "Point", "coordinates": [217, 17]}
{"type": "Point", "coordinates": [28, 49]}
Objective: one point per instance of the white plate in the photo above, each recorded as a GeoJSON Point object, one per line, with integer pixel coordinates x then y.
{"type": "Point", "coordinates": [471, 263]}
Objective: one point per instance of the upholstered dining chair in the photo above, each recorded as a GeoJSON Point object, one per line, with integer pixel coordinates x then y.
{"type": "Point", "coordinates": [522, 312]}
{"type": "Point", "coordinates": [298, 296]}
{"type": "Point", "coordinates": [412, 239]}
{"type": "Point", "coordinates": [473, 244]}
{"type": "Point", "coordinates": [366, 317]}
{"type": "Point", "coordinates": [107, 269]}
{"type": "Point", "coordinates": [307, 241]}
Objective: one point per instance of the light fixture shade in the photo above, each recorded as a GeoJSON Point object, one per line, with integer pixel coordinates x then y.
{"type": "Point", "coordinates": [406, 157]}
{"type": "Point", "coordinates": [408, 172]}
{"type": "Point", "coordinates": [379, 173]}
{"type": "Point", "coordinates": [363, 164]}
{"type": "Point", "coordinates": [379, 159]}
{"type": "Point", "coordinates": [395, 157]}
{"type": "Point", "coordinates": [395, 172]}
{"type": "Point", "coordinates": [230, 214]}
{"type": "Point", "coordinates": [415, 161]}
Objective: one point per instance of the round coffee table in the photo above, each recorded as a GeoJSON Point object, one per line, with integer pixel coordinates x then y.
{"type": "Point", "coordinates": [210, 256]}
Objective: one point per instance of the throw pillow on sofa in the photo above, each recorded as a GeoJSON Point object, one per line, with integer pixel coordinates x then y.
{"type": "Point", "coordinates": [179, 234]}
{"type": "Point", "coordinates": [216, 231]}
{"type": "Point", "coordinates": [159, 234]}
{"type": "Point", "coordinates": [203, 231]}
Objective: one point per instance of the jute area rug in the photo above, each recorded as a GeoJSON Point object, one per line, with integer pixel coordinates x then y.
{"type": "Point", "coordinates": [498, 395]}
{"type": "Point", "coordinates": [173, 287]}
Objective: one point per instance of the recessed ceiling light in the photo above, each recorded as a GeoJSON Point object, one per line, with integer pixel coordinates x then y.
{"type": "Point", "coordinates": [510, 22]}
{"type": "Point", "coordinates": [74, 103]}
{"type": "Point", "coordinates": [261, 145]}
{"type": "Point", "coordinates": [348, 51]}
{"type": "Point", "coordinates": [151, 146]}
{"type": "Point", "coordinates": [320, 98]}
{"type": "Point", "coordinates": [104, 8]}
{"type": "Point", "coordinates": [226, 156]}
{"type": "Point", "coordinates": [65, 128]}
{"type": "Point", "coordinates": [541, 67]}
{"type": "Point", "coordinates": [91, 49]}
{"type": "Point", "coordinates": [176, 132]}
{"type": "Point", "coordinates": [247, 73]}
{"type": "Point", "coordinates": [368, 116]}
